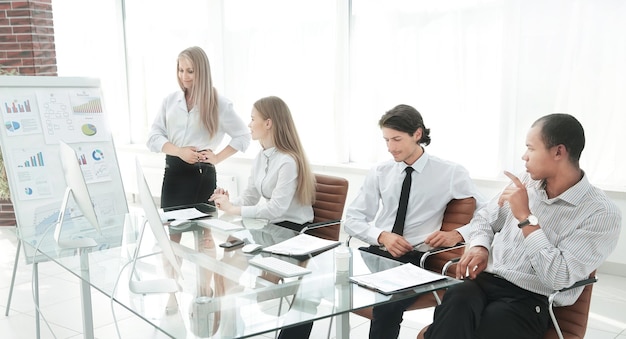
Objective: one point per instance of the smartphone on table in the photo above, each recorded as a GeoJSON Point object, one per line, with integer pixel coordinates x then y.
{"type": "Point", "coordinates": [232, 243]}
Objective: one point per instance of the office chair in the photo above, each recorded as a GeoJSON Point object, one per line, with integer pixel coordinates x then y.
{"type": "Point", "coordinates": [330, 200]}
{"type": "Point", "coordinates": [568, 322]}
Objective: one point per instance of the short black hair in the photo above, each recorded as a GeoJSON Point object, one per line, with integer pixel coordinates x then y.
{"type": "Point", "coordinates": [563, 129]}
{"type": "Point", "coordinates": [405, 118]}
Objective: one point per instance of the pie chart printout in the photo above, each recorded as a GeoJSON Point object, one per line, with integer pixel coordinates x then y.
{"type": "Point", "coordinates": [89, 129]}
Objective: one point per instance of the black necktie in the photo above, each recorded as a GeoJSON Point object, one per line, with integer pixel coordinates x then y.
{"type": "Point", "coordinates": [398, 225]}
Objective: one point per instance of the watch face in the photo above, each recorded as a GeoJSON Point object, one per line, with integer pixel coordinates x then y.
{"type": "Point", "coordinates": [533, 220]}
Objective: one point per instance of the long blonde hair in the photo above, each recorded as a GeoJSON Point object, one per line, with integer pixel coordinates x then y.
{"type": "Point", "coordinates": [286, 139]}
{"type": "Point", "coordinates": [202, 93]}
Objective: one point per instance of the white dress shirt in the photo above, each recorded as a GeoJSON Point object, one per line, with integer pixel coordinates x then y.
{"type": "Point", "coordinates": [182, 128]}
{"type": "Point", "coordinates": [274, 177]}
{"type": "Point", "coordinates": [434, 183]}
{"type": "Point", "coordinates": [578, 230]}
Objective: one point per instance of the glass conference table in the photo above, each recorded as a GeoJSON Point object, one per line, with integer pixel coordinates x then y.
{"type": "Point", "coordinates": [222, 296]}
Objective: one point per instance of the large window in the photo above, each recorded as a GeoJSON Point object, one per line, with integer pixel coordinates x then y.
{"type": "Point", "coordinates": [445, 60]}
{"type": "Point", "coordinates": [156, 32]}
{"type": "Point", "coordinates": [285, 48]}
{"type": "Point", "coordinates": [480, 71]}
{"type": "Point", "coordinates": [92, 45]}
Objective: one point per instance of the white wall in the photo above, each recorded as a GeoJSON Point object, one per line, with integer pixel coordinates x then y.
{"type": "Point", "coordinates": [240, 169]}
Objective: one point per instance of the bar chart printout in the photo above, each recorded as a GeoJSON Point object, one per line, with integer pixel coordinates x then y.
{"type": "Point", "coordinates": [34, 161]}
{"type": "Point", "coordinates": [87, 105]}
{"type": "Point", "coordinates": [32, 177]}
{"type": "Point", "coordinates": [20, 115]}
{"type": "Point", "coordinates": [17, 107]}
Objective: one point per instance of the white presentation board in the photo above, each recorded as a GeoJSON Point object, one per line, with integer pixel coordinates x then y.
{"type": "Point", "coordinates": [37, 113]}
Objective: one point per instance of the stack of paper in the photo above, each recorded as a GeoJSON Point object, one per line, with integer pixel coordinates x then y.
{"type": "Point", "coordinates": [302, 244]}
{"type": "Point", "coordinates": [184, 214]}
{"type": "Point", "coordinates": [219, 224]}
{"type": "Point", "coordinates": [397, 279]}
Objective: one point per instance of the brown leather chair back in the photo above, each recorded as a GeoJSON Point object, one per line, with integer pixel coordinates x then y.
{"type": "Point", "coordinates": [459, 212]}
{"type": "Point", "coordinates": [573, 319]}
{"type": "Point", "coordinates": [330, 199]}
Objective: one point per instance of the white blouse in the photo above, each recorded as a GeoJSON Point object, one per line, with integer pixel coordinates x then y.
{"type": "Point", "coordinates": [175, 124]}
{"type": "Point", "coordinates": [274, 177]}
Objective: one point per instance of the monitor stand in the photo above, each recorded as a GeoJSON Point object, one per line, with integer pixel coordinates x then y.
{"type": "Point", "coordinates": [82, 245]}
{"type": "Point", "coordinates": [148, 286]}
{"type": "Point", "coordinates": [69, 243]}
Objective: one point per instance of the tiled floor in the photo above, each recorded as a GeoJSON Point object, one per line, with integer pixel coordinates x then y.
{"type": "Point", "coordinates": [60, 304]}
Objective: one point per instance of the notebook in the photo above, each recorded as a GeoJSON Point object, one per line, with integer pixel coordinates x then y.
{"type": "Point", "coordinates": [301, 245]}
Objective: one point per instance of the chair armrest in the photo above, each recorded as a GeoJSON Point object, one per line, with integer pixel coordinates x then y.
{"type": "Point", "coordinates": [438, 250]}
{"type": "Point", "coordinates": [319, 224]}
{"type": "Point", "coordinates": [551, 297]}
{"type": "Point", "coordinates": [359, 241]}
{"type": "Point", "coordinates": [448, 264]}
{"type": "Point", "coordinates": [580, 283]}
{"type": "Point", "coordinates": [201, 206]}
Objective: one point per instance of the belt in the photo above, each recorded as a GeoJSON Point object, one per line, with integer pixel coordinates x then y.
{"type": "Point", "coordinates": [495, 275]}
{"type": "Point", "coordinates": [177, 164]}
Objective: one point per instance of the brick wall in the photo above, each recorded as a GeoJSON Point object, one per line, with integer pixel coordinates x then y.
{"type": "Point", "coordinates": [27, 37]}
{"type": "Point", "coordinates": [26, 48]}
{"type": "Point", "coordinates": [7, 215]}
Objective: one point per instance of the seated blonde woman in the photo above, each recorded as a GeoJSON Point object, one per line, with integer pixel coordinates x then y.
{"type": "Point", "coordinates": [280, 174]}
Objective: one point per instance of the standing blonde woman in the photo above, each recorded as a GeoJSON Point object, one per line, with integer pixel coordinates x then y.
{"type": "Point", "coordinates": [280, 173]}
{"type": "Point", "coordinates": [188, 128]}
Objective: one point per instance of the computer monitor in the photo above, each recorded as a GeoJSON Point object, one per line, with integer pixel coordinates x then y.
{"type": "Point", "coordinates": [154, 220]}
{"type": "Point", "coordinates": [77, 188]}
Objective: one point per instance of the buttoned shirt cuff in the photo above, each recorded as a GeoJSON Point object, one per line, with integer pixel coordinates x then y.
{"type": "Point", "coordinates": [157, 144]}
{"type": "Point", "coordinates": [484, 242]}
{"type": "Point", "coordinates": [373, 234]}
{"type": "Point", "coordinates": [248, 211]}
{"type": "Point", "coordinates": [240, 143]}
{"type": "Point", "coordinates": [464, 231]}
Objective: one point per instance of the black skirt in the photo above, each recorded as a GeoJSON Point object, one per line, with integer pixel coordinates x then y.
{"type": "Point", "coordinates": [185, 183]}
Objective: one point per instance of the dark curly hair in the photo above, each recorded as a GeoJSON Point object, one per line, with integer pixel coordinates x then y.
{"type": "Point", "coordinates": [407, 119]}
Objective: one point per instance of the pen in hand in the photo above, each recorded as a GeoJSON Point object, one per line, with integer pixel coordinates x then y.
{"type": "Point", "coordinates": [418, 244]}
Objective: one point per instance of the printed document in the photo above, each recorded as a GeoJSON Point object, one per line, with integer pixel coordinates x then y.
{"type": "Point", "coordinates": [302, 244]}
{"type": "Point", "coordinates": [184, 214]}
{"type": "Point", "coordinates": [220, 224]}
{"type": "Point", "coordinates": [397, 279]}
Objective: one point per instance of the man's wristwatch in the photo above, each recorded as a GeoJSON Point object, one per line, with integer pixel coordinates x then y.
{"type": "Point", "coordinates": [531, 220]}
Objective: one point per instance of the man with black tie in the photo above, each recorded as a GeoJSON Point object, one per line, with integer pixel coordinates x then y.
{"type": "Point", "coordinates": [402, 201]}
